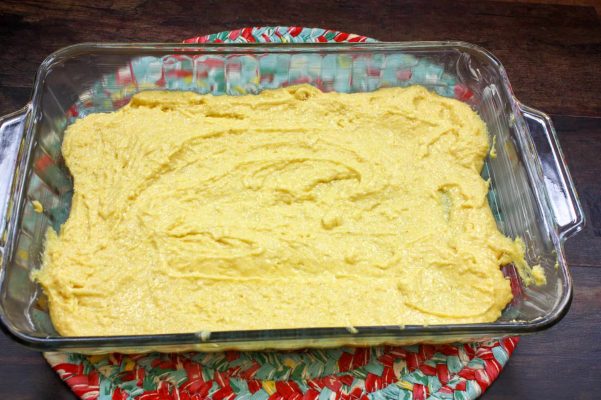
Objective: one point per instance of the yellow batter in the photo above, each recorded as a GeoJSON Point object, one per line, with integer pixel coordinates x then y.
{"type": "Point", "coordinates": [292, 208]}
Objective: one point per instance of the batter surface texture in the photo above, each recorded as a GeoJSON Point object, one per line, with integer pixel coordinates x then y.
{"type": "Point", "coordinates": [291, 208]}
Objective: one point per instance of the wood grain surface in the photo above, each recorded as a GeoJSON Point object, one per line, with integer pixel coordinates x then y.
{"type": "Point", "coordinates": [552, 53]}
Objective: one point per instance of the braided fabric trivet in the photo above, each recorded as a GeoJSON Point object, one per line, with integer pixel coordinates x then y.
{"type": "Point", "coordinates": [458, 372]}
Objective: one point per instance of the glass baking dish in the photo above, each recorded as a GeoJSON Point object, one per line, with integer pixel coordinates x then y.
{"type": "Point", "coordinates": [531, 192]}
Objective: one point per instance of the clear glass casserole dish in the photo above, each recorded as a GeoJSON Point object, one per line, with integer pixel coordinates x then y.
{"type": "Point", "coordinates": [531, 192]}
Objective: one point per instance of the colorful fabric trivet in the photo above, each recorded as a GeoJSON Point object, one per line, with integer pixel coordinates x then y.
{"type": "Point", "coordinates": [457, 372]}
{"type": "Point", "coordinates": [279, 34]}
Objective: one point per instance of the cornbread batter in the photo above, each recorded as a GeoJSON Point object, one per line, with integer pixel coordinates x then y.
{"type": "Point", "coordinates": [291, 208]}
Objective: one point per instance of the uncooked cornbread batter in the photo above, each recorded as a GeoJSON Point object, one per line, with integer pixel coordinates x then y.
{"type": "Point", "coordinates": [291, 208]}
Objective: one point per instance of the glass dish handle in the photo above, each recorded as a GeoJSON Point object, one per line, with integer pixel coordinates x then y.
{"type": "Point", "coordinates": [558, 184]}
{"type": "Point", "coordinates": [12, 128]}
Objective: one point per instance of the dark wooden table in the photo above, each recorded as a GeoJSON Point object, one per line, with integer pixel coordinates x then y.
{"type": "Point", "coordinates": [552, 53]}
